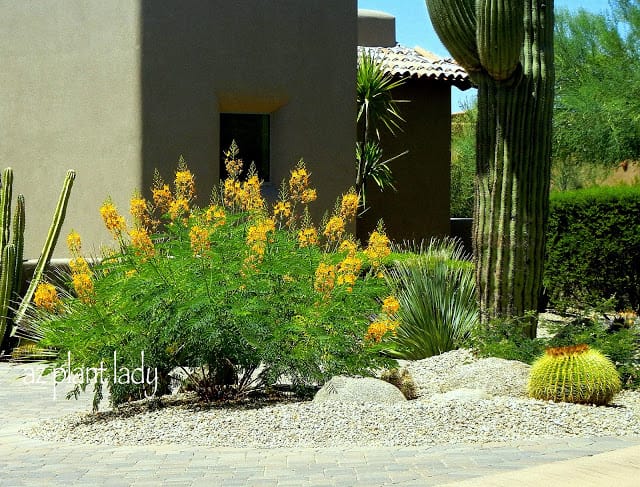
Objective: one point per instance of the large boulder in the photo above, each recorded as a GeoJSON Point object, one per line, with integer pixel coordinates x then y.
{"type": "Point", "coordinates": [459, 369]}
{"type": "Point", "coordinates": [359, 390]}
{"type": "Point", "coordinates": [496, 376]}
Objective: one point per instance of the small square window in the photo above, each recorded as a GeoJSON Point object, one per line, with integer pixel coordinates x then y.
{"type": "Point", "coordinates": [251, 133]}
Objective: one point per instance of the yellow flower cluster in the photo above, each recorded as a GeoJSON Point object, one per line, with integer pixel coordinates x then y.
{"type": "Point", "coordinates": [348, 271]}
{"type": "Point", "coordinates": [378, 248]}
{"type": "Point", "coordinates": [46, 297]}
{"type": "Point", "coordinates": [378, 329]}
{"type": "Point", "coordinates": [257, 236]}
{"type": "Point", "coordinates": [74, 243]}
{"type": "Point", "coordinates": [307, 237]}
{"type": "Point", "coordinates": [83, 284]}
{"type": "Point", "coordinates": [141, 243]}
{"type": "Point", "coordinates": [139, 210]}
{"type": "Point", "coordinates": [334, 229]}
{"type": "Point", "coordinates": [251, 199]}
{"type": "Point", "coordinates": [162, 198]}
{"type": "Point", "coordinates": [386, 322]}
{"type": "Point", "coordinates": [348, 246]}
{"type": "Point", "coordinates": [199, 237]}
{"type": "Point", "coordinates": [114, 222]}
{"type": "Point", "coordinates": [349, 205]}
{"type": "Point", "coordinates": [282, 209]}
{"type": "Point", "coordinates": [215, 216]}
{"type": "Point", "coordinates": [244, 195]}
{"type": "Point", "coordinates": [185, 185]}
{"type": "Point", "coordinates": [81, 279]}
{"type": "Point", "coordinates": [177, 208]}
{"type": "Point", "coordinates": [231, 192]}
{"type": "Point", "coordinates": [233, 165]}
{"type": "Point", "coordinates": [390, 305]}
{"type": "Point", "coordinates": [299, 185]}
{"type": "Point", "coordinates": [79, 266]}
{"type": "Point", "coordinates": [325, 278]}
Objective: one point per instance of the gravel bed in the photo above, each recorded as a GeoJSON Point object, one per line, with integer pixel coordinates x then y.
{"type": "Point", "coordinates": [432, 419]}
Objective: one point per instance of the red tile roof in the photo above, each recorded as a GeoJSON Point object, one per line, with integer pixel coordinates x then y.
{"type": "Point", "coordinates": [418, 63]}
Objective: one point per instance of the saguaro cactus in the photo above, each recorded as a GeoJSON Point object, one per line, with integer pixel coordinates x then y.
{"type": "Point", "coordinates": [11, 250]}
{"type": "Point", "coordinates": [507, 48]}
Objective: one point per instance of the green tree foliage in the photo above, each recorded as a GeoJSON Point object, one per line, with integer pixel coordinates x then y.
{"type": "Point", "coordinates": [463, 161]}
{"type": "Point", "coordinates": [597, 101]}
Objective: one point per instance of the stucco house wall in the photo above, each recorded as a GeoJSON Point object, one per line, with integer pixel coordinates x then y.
{"type": "Point", "coordinates": [419, 209]}
{"type": "Point", "coordinates": [116, 89]}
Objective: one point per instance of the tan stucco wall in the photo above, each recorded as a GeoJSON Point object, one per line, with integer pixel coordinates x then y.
{"type": "Point", "coordinates": [117, 88]}
{"type": "Point", "coordinates": [69, 98]}
{"type": "Point", "coordinates": [291, 58]}
{"type": "Point", "coordinates": [420, 207]}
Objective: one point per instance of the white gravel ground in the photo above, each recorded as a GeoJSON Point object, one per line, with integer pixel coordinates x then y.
{"type": "Point", "coordinates": [434, 418]}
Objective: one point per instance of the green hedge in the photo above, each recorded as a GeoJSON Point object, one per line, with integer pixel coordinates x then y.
{"type": "Point", "coordinates": [593, 246]}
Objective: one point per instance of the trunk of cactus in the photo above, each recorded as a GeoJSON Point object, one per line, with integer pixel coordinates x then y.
{"type": "Point", "coordinates": [507, 48]}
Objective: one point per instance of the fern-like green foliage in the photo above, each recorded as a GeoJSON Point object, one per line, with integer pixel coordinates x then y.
{"type": "Point", "coordinates": [437, 295]}
{"type": "Point", "coordinates": [576, 374]}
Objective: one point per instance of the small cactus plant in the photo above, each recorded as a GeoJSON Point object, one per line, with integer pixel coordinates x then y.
{"type": "Point", "coordinates": [576, 374]}
{"type": "Point", "coordinates": [402, 380]}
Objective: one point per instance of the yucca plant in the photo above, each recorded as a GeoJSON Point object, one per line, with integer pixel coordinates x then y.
{"type": "Point", "coordinates": [437, 295]}
{"type": "Point", "coordinates": [377, 109]}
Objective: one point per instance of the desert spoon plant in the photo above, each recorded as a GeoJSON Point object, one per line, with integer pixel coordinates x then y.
{"type": "Point", "coordinates": [12, 246]}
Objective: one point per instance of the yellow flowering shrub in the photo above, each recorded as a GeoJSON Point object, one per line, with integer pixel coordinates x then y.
{"type": "Point", "coordinates": [348, 271]}
{"type": "Point", "coordinates": [215, 216]}
{"type": "Point", "coordinates": [378, 248]}
{"type": "Point", "coordinates": [139, 210]}
{"type": "Point", "coordinates": [282, 209]}
{"type": "Point", "coordinates": [235, 282]}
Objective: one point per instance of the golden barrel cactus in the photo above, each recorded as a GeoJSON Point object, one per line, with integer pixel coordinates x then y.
{"type": "Point", "coordinates": [576, 374]}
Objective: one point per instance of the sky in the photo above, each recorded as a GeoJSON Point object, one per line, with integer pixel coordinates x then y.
{"type": "Point", "coordinates": [413, 28]}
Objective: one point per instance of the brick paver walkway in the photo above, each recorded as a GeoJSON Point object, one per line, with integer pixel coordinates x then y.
{"type": "Point", "coordinates": [24, 461]}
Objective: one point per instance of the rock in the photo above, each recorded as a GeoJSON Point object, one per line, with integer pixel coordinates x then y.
{"type": "Point", "coordinates": [496, 376]}
{"type": "Point", "coordinates": [359, 390]}
{"type": "Point", "coordinates": [461, 395]}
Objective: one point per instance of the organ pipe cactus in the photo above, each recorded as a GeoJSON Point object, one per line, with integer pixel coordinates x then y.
{"type": "Point", "coordinates": [11, 253]}
{"type": "Point", "coordinates": [507, 48]}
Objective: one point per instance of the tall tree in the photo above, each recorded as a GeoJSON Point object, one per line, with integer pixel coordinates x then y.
{"type": "Point", "coordinates": [507, 48]}
{"type": "Point", "coordinates": [597, 112]}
